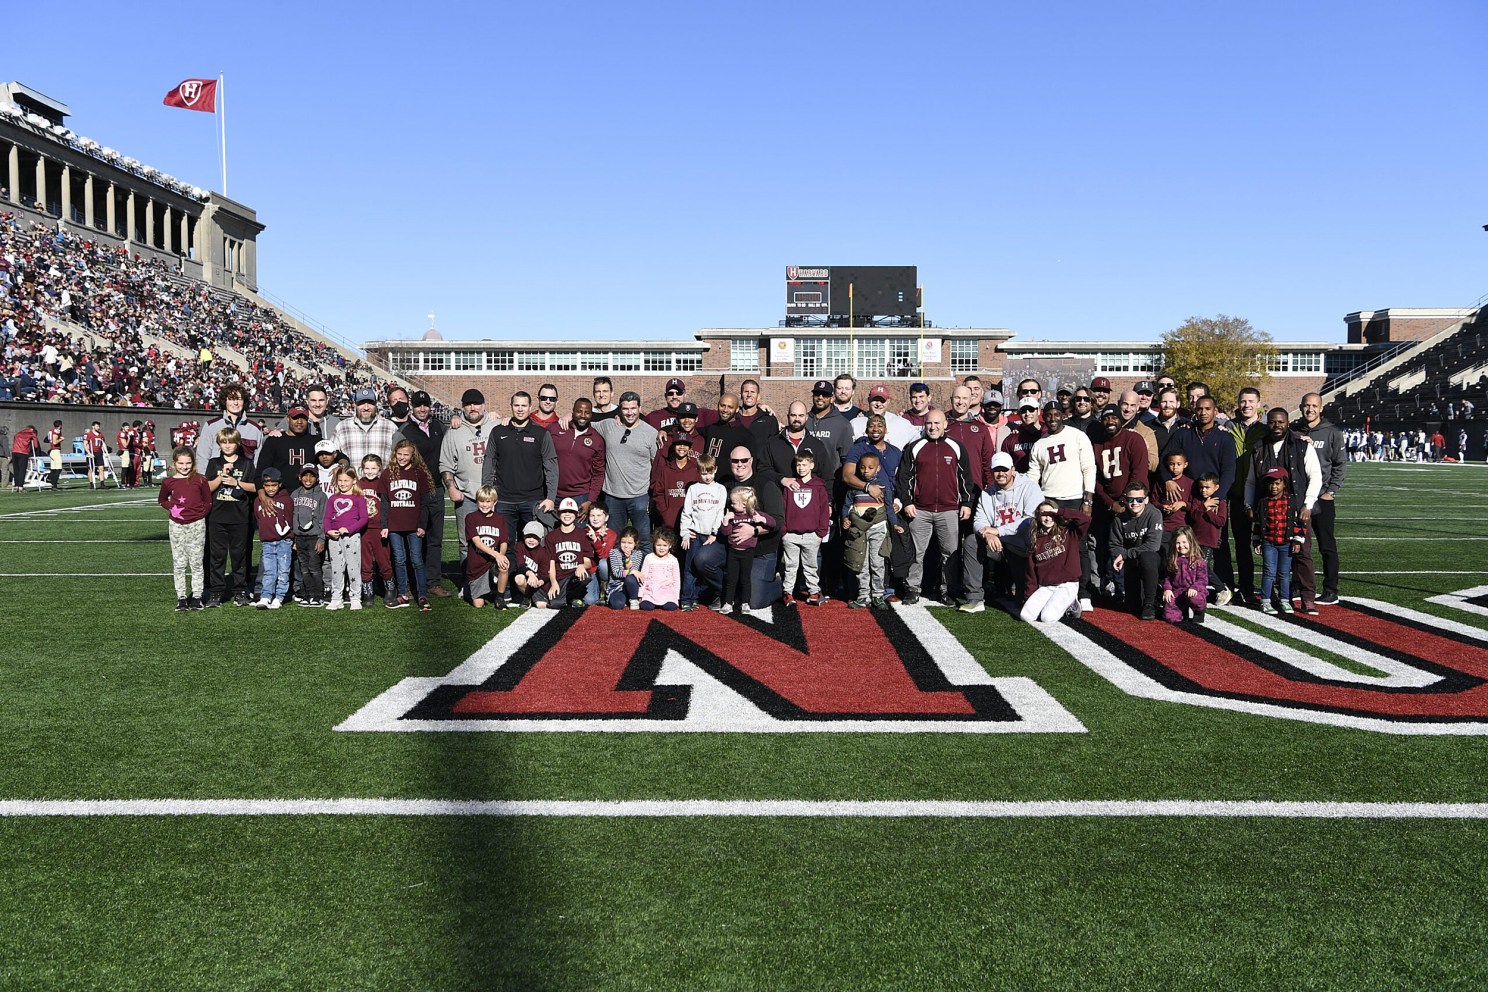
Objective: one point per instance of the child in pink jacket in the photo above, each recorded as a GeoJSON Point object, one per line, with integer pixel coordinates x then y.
{"type": "Point", "coordinates": [661, 578]}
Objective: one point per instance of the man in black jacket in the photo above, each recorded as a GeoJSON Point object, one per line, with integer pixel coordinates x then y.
{"type": "Point", "coordinates": [522, 464]}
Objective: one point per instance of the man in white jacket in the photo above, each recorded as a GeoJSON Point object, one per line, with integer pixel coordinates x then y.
{"type": "Point", "coordinates": [1062, 463]}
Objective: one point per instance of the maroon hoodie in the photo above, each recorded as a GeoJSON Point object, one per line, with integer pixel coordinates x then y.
{"type": "Point", "coordinates": [809, 508]}
{"type": "Point", "coordinates": [669, 488]}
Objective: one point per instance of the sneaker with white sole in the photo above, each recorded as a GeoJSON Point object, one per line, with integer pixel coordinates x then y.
{"type": "Point", "coordinates": [976, 607]}
{"type": "Point", "coordinates": [335, 604]}
{"type": "Point", "coordinates": [1223, 598]}
{"type": "Point", "coordinates": [1086, 605]}
{"type": "Point", "coordinates": [262, 604]}
{"type": "Point", "coordinates": [274, 604]}
{"type": "Point", "coordinates": [356, 604]}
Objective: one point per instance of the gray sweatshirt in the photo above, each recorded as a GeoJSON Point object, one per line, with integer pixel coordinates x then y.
{"type": "Point", "coordinates": [309, 511]}
{"type": "Point", "coordinates": [464, 452]}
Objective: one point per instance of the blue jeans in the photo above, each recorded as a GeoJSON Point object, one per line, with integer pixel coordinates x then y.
{"type": "Point", "coordinates": [518, 513]}
{"type": "Point", "coordinates": [274, 566]}
{"type": "Point", "coordinates": [634, 512]}
{"type": "Point", "coordinates": [598, 579]}
{"type": "Point", "coordinates": [408, 549]}
{"type": "Point", "coordinates": [630, 589]}
{"type": "Point", "coordinates": [1276, 561]}
{"type": "Point", "coordinates": [708, 563]}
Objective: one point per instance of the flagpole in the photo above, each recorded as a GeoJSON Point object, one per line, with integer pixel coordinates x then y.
{"type": "Point", "coordinates": [222, 125]}
{"type": "Point", "coordinates": [852, 339]}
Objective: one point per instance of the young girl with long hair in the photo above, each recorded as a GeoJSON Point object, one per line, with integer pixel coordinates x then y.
{"type": "Point", "coordinates": [408, 520]}
{"type": "Point", "coordinates": [345, 519]}
{"type": "Point", "coordinates": [1052, 580]}
{"type": "Point", "coordinates": [1185, 579]}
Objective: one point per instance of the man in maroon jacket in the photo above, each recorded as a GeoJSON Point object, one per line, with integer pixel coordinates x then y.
{"type": "Point", "coordinates": [581, 457]}
{"type": "Point", "coordinates": [935, 485]}
{"type": "Point", "coordinates": [966, 425]}
{"type": "Point", "coordinates": [1120, 457]}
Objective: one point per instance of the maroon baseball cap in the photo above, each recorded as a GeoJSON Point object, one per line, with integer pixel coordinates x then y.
{"type": "Point", "coordinates": [676, 384]}
{"type": "Point", "coordinates": [1101, 382]}
{"type": "Point", "coordinates": [298, 411]}
{"type": "Point", "coordinates": [880, 392]}
{"type": "Point", "coordinates": [1278, 473]}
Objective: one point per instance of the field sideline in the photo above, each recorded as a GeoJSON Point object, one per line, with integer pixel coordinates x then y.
{"type": "Point", "coordinates": [178, 809]}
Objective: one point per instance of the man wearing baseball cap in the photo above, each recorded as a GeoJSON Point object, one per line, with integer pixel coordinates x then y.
{"type": "Point", "coordinates": [992, 415]}
{"type": "Point", "coordinates": [1100, 392]}
{"type": "Point", "coordinates": [461, 457]}
{"type": "Point", "coordinates": [366, 433]}
{"type": "Point", "coordinates": [827, 424]}
{"type": "Point", "coordinates": [1145, 391]}
{"type": "Point", "coordinates": [289, 450]}
{"type": "Point", "coordinates": [664, 417]}
{"type": "Point", "coordinates": [998, 536]}
{"type": "Point", "coordinates": [1024, 433]}
{"type": "Point", "coordinates": [898, 430]}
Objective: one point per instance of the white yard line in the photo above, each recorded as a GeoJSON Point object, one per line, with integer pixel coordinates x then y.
{"type": "Point", "coordinates": [714, 808]}
{"type": "Point", "coordinates": [122, 540]}
{"type": "Point", "coordinates": [82, 575]}
{"type": "Point", "coordinates": [57, 510]}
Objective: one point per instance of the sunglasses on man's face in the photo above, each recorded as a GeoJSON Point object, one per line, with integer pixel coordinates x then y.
{"type": "Point", "coordinates": [1136, 499]}
{"type": "Point", "coordinates": [1082, 399]}
{"type": "Point", "coordinates": [1028, 392]}
{"type": "Point", "coordinates": [738, 461]}
{"type": "Point", "coordinates": [674, 392]}
{"type": "Point", "coordinates": [547, 399]}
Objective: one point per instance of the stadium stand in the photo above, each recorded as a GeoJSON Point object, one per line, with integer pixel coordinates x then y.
{"type": "Point", "coordinates": [87, 324]}
{"type": "Point", "coordinates": [1442, 378]}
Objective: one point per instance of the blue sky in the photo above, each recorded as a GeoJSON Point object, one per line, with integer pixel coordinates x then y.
{"type": "Point", "coordinates": [1073, 170]}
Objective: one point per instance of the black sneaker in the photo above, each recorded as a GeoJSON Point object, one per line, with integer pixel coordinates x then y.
{"type": "Point", "coordinates": [1327, 599]}
{"type": "Point", "coordinates": [242, 599]}
{"type": "Point", "coordinates": [211, 603]}
{"type": "Point", "coordinates": [910, 598]}
{"type": "Point", "coordinates": [1198, 617]}
{"type": "Point", "coordinates": [181, 606]}
{"type": "Point", "coordinates": [192, 603]}
{"type": "Point", "coordinates": [500, 603]}
{"type": "Point", "coordinates": [1148, 613]}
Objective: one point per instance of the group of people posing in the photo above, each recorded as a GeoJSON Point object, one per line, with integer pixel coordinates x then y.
{"type": "Point", "coordinates": [1056, 502]}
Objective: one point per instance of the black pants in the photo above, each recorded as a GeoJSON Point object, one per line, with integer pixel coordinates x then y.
{"type": "Point", "coordinates": [310, 567]}
{"type": "Point", "coordinates": [1086, 559]}
{"type": "Point", "coordinates": [18, 469]}
{"type": "Point", "coordinates": [1323, 516]}
{"type": "Point", "coordinates": [434, 538]}
{"type": "Point", "coordinates": [1239, 572]}
{"type": "Point", "coordinates": [227, 537]}
{"type": "Point", "coordinates": [736, 582]}
{"type": "Point", "coordinates": [1139, 577]}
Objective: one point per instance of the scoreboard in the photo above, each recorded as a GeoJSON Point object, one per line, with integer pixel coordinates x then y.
{"type": "Point", "coordinates": [876, 290]}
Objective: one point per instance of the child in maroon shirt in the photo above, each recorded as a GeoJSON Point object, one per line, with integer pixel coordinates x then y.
{"type": "Point", "coordinates": [274, 513]}
{"type": "Point", "coordinates": [1174, 509]}
{"type": "Point", "coordinates": [376, 558]}
{"type": "Point", "coordinates": [408, 520]}
{"type": "Point", "coordinates": [530, 567]}
{"type": "Point", "coordinates": [488, 536]}
{"type": "Point", "coordinates": [1207, 516]}
{"type": "Point", "coordinates": [188, 498]}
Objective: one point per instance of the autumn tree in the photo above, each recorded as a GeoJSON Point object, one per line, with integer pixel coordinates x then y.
{"type": "Point", "coordinates": [1224, 352]}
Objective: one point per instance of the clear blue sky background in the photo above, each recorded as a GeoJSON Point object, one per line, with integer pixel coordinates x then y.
{"type": "Point", "coordinates": [1074, 170]}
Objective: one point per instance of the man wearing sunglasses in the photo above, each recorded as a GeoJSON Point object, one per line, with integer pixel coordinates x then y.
{"type": "Point", "coordinates": [1081, 412]}
{"type": "Point", "coordinates": [546, 414]}
{"type": "Point", "coordinates": [1135, 537]}
{"type": "Point", "coordinates": [664, 418]}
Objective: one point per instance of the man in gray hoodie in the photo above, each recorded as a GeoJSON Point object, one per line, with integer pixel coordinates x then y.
{"type": "Point", "coordinates": [1332, 454]}
{"type": "Point", "coordinates": [462, 455]}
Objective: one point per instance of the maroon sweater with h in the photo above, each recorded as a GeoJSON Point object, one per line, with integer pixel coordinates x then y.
{"type": "Point", "coordinates": [809, 509]}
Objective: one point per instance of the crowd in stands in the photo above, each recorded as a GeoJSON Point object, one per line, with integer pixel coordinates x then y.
{"type": "Point", "coordinates": [128, 312]}
{"type": "Point", "coordinates": [1155, 501]}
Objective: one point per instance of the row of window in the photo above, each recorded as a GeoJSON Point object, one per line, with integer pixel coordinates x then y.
{"type": "Point", "coordinates": [866, 357]}
{"type": "Point", "coordinates": [1295, 361]}
{"type": "Point", "coordinates": [570, 360]}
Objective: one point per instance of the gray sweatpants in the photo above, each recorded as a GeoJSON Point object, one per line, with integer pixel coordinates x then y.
{"type": "Point", "coordinates": [346, 566]}
{"type": "Point", "coordinates": [188, 544]}
{"type": "Point", "coordinates": [871, 575]}
{"type": "Point", "coordinates": [946, 525]}
{"type": "Point", "coordinates": [800, 551]}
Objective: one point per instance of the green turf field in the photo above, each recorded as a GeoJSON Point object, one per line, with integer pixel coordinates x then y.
{"type": "Point", "coordinates": [112, 696]}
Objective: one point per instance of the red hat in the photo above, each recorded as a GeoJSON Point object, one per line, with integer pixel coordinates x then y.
{"type": "Point", "coordinates": [880, 392]}
{"type": "Point", "coordinates": [1279, 473]}
{"type": "Point", "coordinates": [1100, 382]}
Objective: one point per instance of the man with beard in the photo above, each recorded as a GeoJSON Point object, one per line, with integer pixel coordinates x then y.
{"type": "Point", "coordinates": [523, 466]}
{"type": "Point", "coordinates": [1020, 441]}
{"type": "Point", "coordinates": [726, 435]}
{"type": "Point", "coordinates": [426, 434]}
{"type": "Point", "coordinates": [1100, 395]}
{"type": "Point", "coordinates": [1062, 464]}
{"type": "Point", "coordinates": [366, 433]}
{"type": "Point", "coordinates": [322, 424]}
{"type": "Point", "coordinates": [1082, 412]}
{"type": "Point", "coordinates": [843, 388]}
{"type": "Point", "coordinates": [1120, 457]}
{"type": "Point", "coordinates": [581, 458]}
{"type": "Point", "coordinates": [1165, 427]}
{"type": "Point", "coordinates": [462, 457]}
{"type": "Point", "coordinates": [999, 534]}
{"type": "Point", "coordinates": [781, 450]}
{"type": "Point", "coordinates": [829, 426]}
{"type": "Point", "coordinates": [1295, 453]}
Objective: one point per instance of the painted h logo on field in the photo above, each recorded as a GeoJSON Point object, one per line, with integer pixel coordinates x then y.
{"type": "Point", "coordinates": [804, 670]}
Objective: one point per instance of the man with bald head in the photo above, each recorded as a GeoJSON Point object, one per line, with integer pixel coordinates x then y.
{"type": "Point", "coordinates": [965, 424]}
{"type": "Point", "coordinates": [781, 450]}
{"type": "Point", "coordinates": [934, 482]}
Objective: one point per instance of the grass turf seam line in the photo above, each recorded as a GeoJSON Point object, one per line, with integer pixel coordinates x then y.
{"type": "Point", "coordinates": [730, 808]}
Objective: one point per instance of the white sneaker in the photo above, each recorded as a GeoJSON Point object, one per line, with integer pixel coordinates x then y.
{"type": "Point", "coordinates": [1224, 597]}
{"type": "Point", "coordinates": [1086, 605]}
{"type": "Point", "coordinates": [334, 604]}
{"type": "Point", "coordinates": [262, 604]}
{"type": "Point", "coordinates": [634, 604]}
{"type": "Point", "coordinates": [274, 604]}
{"type": "Point", "coordinates": [356, 604]}
{"type": "Point", "coordinates": [726, 609]}
{"type": "Point", "coordinates": [976, 607]}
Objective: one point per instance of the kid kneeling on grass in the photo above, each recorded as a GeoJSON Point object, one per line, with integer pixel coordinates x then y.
{"type": "Point", "coordinates": [187, 498]}
{"type": "Point", "coordinates": [530, 570]}
{"type": "Point", "coordinates": [1185, 579]}
{"type": "Point", "coordinates": [488, 535]}
{"type": "Point", "coordinates": [274, 514]}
